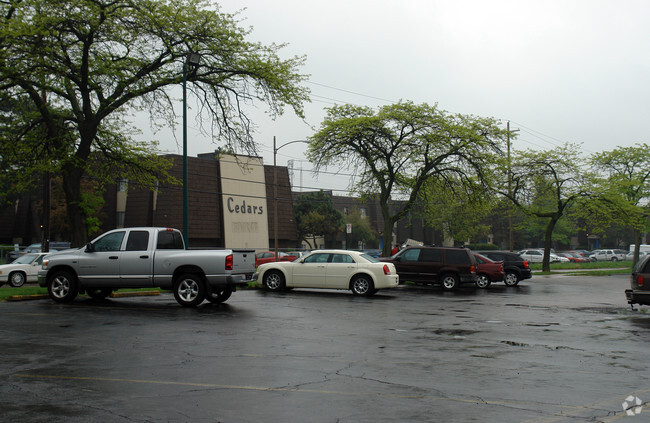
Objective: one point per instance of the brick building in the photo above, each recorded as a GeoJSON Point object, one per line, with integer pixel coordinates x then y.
{"type": "Point", "coordinates": [219, 201]}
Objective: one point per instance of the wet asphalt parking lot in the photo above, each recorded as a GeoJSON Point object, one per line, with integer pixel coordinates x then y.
{"type": "Point", "coordinates": [554, 349]}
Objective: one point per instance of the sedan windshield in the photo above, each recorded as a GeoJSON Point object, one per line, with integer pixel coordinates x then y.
{"type": "Point", "coordinates": [25, 259]}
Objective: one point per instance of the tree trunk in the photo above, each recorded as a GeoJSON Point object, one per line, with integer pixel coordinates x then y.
{"type": "Point", "coordinates": [71, 176]}
{"type": "Point", "coordinates": [548, 241]}
{"type": "Point", "coordinates": [637, 246]}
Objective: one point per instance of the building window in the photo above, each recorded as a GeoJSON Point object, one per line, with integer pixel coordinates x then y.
{"type": "Point", "coordinates": [364, 212]}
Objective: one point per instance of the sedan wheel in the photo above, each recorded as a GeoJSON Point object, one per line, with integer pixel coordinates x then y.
{"type": "Point", "coordinates": [483, 282]}
{"type": "Point", "coordinates": [17, 279]}
{"type": "Point", "coordinates": [511, 279]}
{"type": "Point", "coordinates": [274, 280]}
{"type": "Point", "coordinates": [362, 285]}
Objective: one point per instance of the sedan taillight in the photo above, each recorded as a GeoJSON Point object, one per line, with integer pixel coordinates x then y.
{"type": "Point", "coordinates": [386, 270]}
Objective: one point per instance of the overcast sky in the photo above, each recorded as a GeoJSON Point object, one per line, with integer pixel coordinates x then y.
{"type": "Point", "coordinates": [559, 71]}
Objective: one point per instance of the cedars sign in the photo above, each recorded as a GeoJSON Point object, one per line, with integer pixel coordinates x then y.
{"type": "Point", "coordinates": [243, 208]}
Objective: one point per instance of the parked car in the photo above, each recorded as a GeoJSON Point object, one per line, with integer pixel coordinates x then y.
{"type": "Point", "coordinates": [446, 266]}
{"type": "Point", "coordinates": [329, 269]}
{"type": "Point", "coordinates": [573, 257]}
{"type": "Point", "coordinates": [488, 271]}
{"type": "Point", "coordinates": [532, 256]}
{"type": "Point", "coordinates": [639, 292]}
{"type": "Point", "coordinates": [146, 258]}
{"type": "Point", "coordinates": [269, 256]}
{"type": "Point", "coordinates": [24, 269]}
{"type": "Point", "coordinates": [36, 248]}
{"type": "Point", "coordinates": [608, 255]}
{"type": "Point", "coordinates": [515, 267]}
{"type": "Point", "coordinates": [630, 256]}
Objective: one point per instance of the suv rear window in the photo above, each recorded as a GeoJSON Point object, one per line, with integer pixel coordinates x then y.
{"type": "Point", "coordinates": [457, 256]}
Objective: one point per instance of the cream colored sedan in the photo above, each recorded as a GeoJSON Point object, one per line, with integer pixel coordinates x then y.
{"type": "Point", "coordinates": [330, 269]}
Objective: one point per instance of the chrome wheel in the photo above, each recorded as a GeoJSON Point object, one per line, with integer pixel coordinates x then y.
{"type": "Point", "coordinates": [483, 282]}
{"type": "Point", "coordinates": [449, 282]}
{"type": "Point", "coordinates": [273, 281]}
{"type": "Point", "coordinates": [189, 290]}
{"type": "Point", "coordinates": [62, 287]}
{"type": "Point", "coordinates": [362, 285]}
{"type": "Point", "coordinates": [511, 279]}
{"type": "Point", "coordinates": [17, 279]}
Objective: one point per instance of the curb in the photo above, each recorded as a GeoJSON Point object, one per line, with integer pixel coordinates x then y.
{"type": "Point", "coordinates": [113, 295]}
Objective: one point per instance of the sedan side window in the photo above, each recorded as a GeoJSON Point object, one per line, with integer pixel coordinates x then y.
{"type": "Point", "coordinates": [110, 242]}
{"type": "Point", "coordinates": [317, 258]}
{"type": "Point", "coordinates": [341, 258]}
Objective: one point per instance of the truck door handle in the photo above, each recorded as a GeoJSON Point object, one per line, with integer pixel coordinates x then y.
{"type": "Point", "coordinates": [112, 258]}
{"type": "Point", "coordinates": [144, 257]}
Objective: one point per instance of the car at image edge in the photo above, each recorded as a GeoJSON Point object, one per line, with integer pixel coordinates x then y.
{"type": "Point", "coordinates": [329, 269]}
{"type": "Point", "coordinates": [24, 269]}
{"type": "Point", "coordinates": [639, 292]}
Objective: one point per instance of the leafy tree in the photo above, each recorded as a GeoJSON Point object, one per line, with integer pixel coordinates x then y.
{"type": "Point", "coordinates": [396, 149]}
{"type": "Point", "coordinates": [625, 187]}
{"type": "Point", "coordinates": [316, 216]}
{"type": "Point", "coordinates": [85, 65]}
{"type": "Point", "coordinates": [545, 184]}
{"type": "Point", "coordinates": [456, 209]}
{"type": "Point", "coordinates": [362, 231]}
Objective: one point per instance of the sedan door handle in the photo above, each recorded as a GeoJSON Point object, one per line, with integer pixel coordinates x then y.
{"type": "Point", "coordinates": [144, 257]}
{"type": "Point", "coordinates": [113, 258]}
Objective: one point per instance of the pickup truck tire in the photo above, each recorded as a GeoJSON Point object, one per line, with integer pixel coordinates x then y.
{"type": "Point", "coordinates": [511, 279]}
{"type": "Point", "coordinates": [16, 279]}
{"type": "Point", "coordinates": [449, 282]}
{"type": "Point", "coordinates": [217, 297]}
{"type": "Point", "coordinates": [189, 290]}
{"type": "Point", "coordinates": [62, 286]}
{"type": "Point", "coordinates": [362, 285]}
{"type": "Point", "coordinates": [98, 293]}
{"type": "Point", "coordinates": [274, 280]}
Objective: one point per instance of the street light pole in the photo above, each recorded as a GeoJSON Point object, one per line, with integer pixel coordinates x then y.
{"type": "Point", "coordinates": [192, 59]}
{"type": "Point", "coordinates": [275, 190]}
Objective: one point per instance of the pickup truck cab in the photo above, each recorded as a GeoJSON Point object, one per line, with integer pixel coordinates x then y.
{"type": "Point", "coordinates": [146, 258]}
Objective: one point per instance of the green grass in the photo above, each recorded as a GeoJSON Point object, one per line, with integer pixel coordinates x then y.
{"type": "Point", "coordinates": [7, 291]}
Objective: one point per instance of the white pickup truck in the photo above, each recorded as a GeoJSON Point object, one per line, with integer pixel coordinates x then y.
{"type": "Point", "coordinates": [146, 258]}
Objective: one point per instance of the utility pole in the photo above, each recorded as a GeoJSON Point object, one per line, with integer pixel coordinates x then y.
{"type": "Point", "coordinates": [511, 244]}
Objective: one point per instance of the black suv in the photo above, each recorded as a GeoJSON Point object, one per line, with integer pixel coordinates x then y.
{"type": "Point", "coordinates": [640, 283]}
{"type": "Point", "coordinates": [446, 266]}
{"type": "Point", "coordinates": [515, 267]}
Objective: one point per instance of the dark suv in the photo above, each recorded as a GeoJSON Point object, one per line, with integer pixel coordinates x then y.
{"type": "Point", "coordinates": [446, 266]}
{"type": "Point", "coordinates": [640, 283]}
{"type": "Point", "coordinates": [515, 267]}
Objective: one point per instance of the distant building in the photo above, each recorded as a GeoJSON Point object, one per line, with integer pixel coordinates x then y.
{"type": "Point", "coordinates": [230, 204]}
